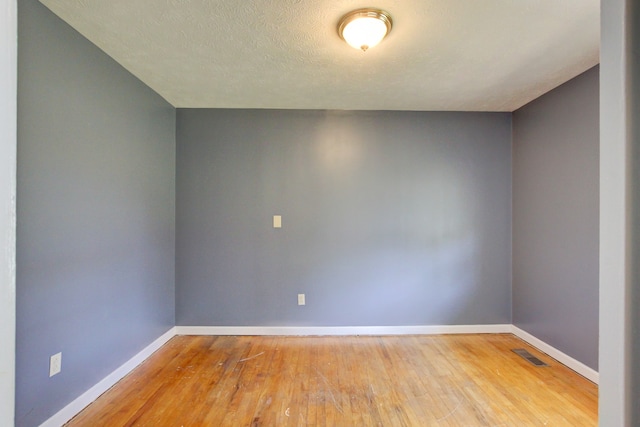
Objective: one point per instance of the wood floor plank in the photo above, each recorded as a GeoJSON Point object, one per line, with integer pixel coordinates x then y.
{"type": "Point", "coordinates": [447, 380]}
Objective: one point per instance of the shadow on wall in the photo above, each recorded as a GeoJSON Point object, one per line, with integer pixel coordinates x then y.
{"type": "Point", "coordinates": [400, 286]}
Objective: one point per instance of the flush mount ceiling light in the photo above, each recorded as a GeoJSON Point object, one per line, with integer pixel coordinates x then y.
{"type": "Point", "coordinates": [364, 28]}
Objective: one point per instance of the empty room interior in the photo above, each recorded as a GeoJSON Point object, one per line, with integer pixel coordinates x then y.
{"type": "Point", "coordinates": [235, 178]}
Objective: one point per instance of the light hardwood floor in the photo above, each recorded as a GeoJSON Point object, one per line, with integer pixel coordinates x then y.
{"type": "Point", "coordinates": [446, 380]}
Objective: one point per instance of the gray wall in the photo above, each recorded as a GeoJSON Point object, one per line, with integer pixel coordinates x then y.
{"type": "Point", "coordinates": [389, 218]}
{"type": "Point", "coordinates": [634, 235]}
{"type": "Point", "coordinates": [8, 61]}
{"type": "Point", "coordinates": [96, 216]}
{"type": "Point", "coordinates": [619, 166]}
{"type": "Point", "coordinates": [555, 218]}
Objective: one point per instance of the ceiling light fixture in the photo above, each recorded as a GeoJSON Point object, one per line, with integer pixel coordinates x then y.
{"type": "Point", "coordinates": [364, 28]}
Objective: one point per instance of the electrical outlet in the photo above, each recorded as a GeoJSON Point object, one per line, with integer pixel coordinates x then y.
{"type": "Point", "coordinates": [301, 300]}
{"type": "Point", "coordinates": [55, 364]}
{"type": "Point", "coordinates": [277, 221]}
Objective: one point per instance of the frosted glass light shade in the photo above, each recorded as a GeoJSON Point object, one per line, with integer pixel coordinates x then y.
{"type": "Point", "coordinates": [364, 28]}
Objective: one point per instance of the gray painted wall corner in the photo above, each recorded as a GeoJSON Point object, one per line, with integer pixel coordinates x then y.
{"type": "Point", "coordinates": [96, 223]}
{"type": "Point", "coordinates": [556, 217]}
{"type": "Point", "coordinates": [633, 122]}
{"type": "Point", "coordinates": [8, 88]}
{"type": "Point", "coordinates": [616, 401]}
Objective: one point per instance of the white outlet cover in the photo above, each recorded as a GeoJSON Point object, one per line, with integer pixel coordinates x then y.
{"type": "Point", "coordinates": [301, 299]}
{"type": "Point", "coordinates": [277, 221]}
{"type": "Point", "coordinates": [55, 364]}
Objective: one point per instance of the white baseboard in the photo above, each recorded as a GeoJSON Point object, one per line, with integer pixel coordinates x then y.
{"type": "Point", "coordinates": [73, 408]}
{"type": "Point", "coordinates": [343, 330]}
{"type": "Point", "coordinates": [561, 357]}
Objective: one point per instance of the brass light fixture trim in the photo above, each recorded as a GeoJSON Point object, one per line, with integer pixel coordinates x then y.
{"type": "Point", "coordinates": [370, 13]}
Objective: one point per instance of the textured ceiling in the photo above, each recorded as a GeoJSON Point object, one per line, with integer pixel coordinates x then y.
{"type": "Point", "coordinates": [464, 55]}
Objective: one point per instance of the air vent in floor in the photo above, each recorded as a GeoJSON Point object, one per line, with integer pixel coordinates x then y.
{"type": "Point", "coordinates": [528, 356]}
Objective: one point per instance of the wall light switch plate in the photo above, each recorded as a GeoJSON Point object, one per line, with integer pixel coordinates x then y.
{"type": "Point", "coordinates": [301, 300]}
{"type": "Point", "coordinates": [277, 221]}
{"type": "Point", "coordinates": [55, 364]}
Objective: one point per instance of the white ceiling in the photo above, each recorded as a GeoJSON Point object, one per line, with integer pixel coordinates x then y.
{"type": "Point", "coordinates": [464, 55]}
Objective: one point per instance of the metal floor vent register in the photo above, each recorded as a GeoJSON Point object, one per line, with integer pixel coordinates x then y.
{"type": "Point", "coordinates": [528, 356]}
